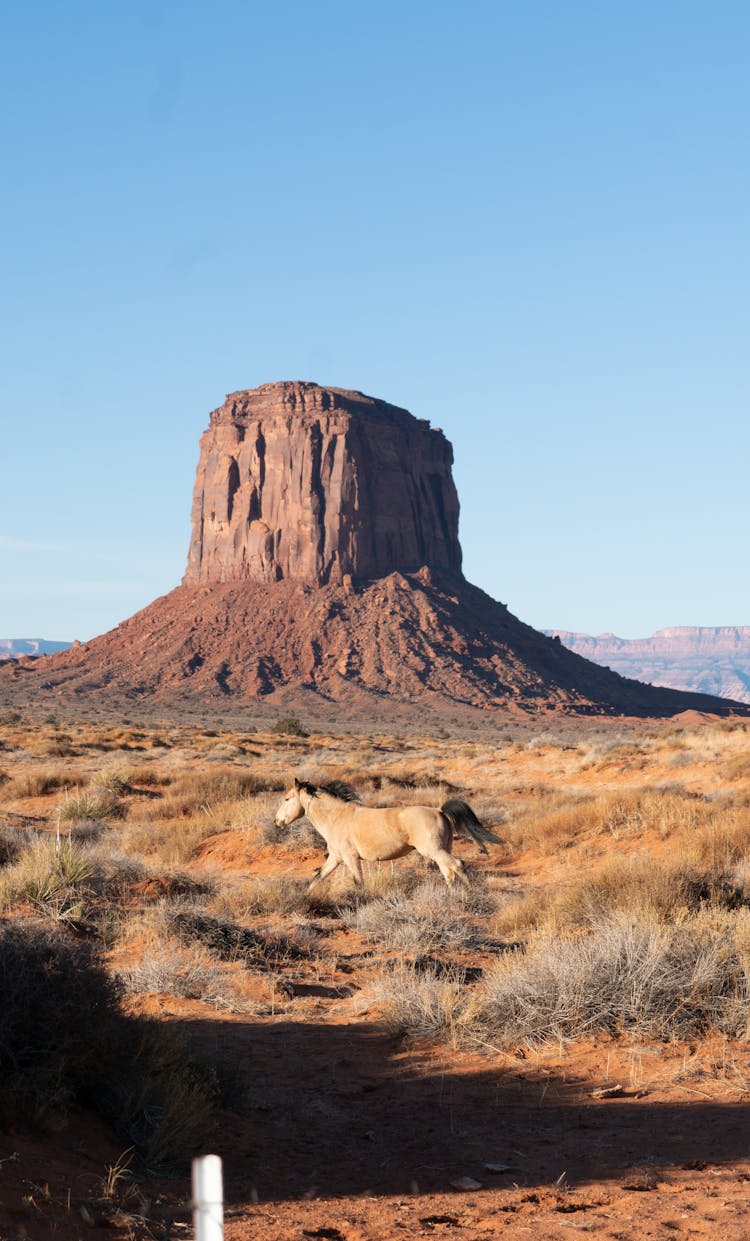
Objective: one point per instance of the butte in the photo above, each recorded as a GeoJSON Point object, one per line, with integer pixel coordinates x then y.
{"type": "Point", "coordinates": [324, 576]}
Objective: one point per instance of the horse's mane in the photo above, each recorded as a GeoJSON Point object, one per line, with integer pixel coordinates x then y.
{"type": "Point", "coordinates": [337, 788]}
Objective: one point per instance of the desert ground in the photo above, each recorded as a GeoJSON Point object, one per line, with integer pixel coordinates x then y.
{"type": "Point", "coordinates": [560, 1048]}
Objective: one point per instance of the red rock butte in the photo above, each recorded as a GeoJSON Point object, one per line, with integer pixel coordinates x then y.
{"type": "Point", "coordinates": [310, 484]}
{"type": "Point", "coordinates": [324, 575]}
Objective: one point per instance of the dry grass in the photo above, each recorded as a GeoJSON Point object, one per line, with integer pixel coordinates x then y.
{"type": "Point", "coordinates": [636, 887]}
{"type": "Point", "coordinates": [623, 905]}
{"type": "Point", "coordinates": [555, 821]}
{"type": "Point", "coordinates": [192, 973]}
{"type": "Point", "coordinates": [281, 895]}
{"type": "Point", "coordinates": [37, 783]}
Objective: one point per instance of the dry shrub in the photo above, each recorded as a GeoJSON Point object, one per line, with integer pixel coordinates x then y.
{"type": "Point", "coordinates": [175, 841]}
{"type": "Point", "coordinates": [254, 816]}
{"type": "Point", "coordinates": [69, 882]}
{"type": "Point", "coordinates": [230, 942]}
{"type": "Point", "coordinates": [90, 804]}
{"type": "Point", "coordinates": [53, 748]}
{"type": "Point", "coordinates": [193, 790]}
{"type": "Point", "coordinates": [724, 842]}
{"type": "Point", "coordinates": [48, 986]}
{"type": "Point", "coordinates": [37, 783]}
{"type": "Point", "coordinates": [281, 895]}
{"type": "Point", "coordinates": [428, 919]}
{"type": "Point", "coordinates": [425, 1004]}
{"type": "Point", "coordinates": [55, 880]}
{"type": "Point", "coordinates": [189, 972]}
{"type": "Point", "coordinates": [114, 780]}
{"type": "Point", "coordinates": [650, 979]}
{"type": "Point", "coordinates": [13, 841]}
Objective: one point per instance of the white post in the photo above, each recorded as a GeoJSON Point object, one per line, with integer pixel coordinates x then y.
{"type": "Point", "coordinates": [208, 1199]}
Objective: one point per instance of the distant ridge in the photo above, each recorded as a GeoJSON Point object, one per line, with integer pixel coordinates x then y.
{"type": "Point", "coordinates": [14, 648]}
{"type": "Point", "coordinates": [705, 660]}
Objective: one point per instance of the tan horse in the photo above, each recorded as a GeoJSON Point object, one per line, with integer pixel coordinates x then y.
{"type": "Point", "coordinates": [355, 833]}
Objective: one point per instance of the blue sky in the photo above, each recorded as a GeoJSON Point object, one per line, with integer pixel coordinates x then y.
{"type": "Point", "coordinates": [527, 222]}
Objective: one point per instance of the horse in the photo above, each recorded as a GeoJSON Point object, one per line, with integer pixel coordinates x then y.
{"type": "Point", "coordinates": [354, 833]}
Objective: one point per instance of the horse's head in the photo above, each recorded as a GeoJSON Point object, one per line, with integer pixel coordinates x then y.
{"type": "Point", "coordinates": [292, 806]}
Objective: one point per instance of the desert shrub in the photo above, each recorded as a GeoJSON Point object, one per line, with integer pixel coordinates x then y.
{"type": "Point", "coordinates": [53, 879]}
{"type": "Point", "coordinates": [191, 972]}
{"type": "Point", "coordinates": [253, 815]}
{"type": "Point", "coordinates": [165, 1099]}
{"type": "Point", "coordinates": [68, 882]}
{"type": "Point", "coordinates": [276, 895]}
{"type": "Point", "coordinates": [724, 842]}
{"type": "Point", "coordinates": [64, 1040]}
{"type": "Point", "coordinates": [288, 726]}
{"type": "Point", "coordinates": [116, 780]}
{"type": "Point", "coordinates": [55, 748]}
{"type": "Point", "coordinates": [37, 783]}
{"type": "Point", "coordinates": [563, 821]}
{"type": "Point", "coordinates": [90, 804]}
{"type": "Point", "coordinates": [13, 841]}
{"type": "Point", "coordinates": [193, 791]}
{"type": "Point", "coordinates": [429, 919]}
{"type": "Point", "coordinates": [423, 1004]}
{"type": "Point", "coordinates": [651, 979]}
{"type": "Point", "coordinates": [633, 886]}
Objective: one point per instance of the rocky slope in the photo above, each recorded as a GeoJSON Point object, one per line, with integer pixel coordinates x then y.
{"type": "Point", "coordinates": [324, 568]}
{"type": "Point", "coordinates": [704, 660]}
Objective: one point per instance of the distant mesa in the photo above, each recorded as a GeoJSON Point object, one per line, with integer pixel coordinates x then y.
{"type": "Point", "coordinates": [14, 648]}
{"type": "Point", "coordinates": [324, 575]}
{"type": "Point", "coordinates": [705, 660]}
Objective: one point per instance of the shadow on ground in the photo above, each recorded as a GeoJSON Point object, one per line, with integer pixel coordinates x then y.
{"type": "Point", "coordinates": [342, 1110]}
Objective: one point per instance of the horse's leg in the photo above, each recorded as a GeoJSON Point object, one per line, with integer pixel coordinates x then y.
{"type": "Point", "coordinates": [332, 861]}
{"type": "Point", "coordinates": [451, 868]}
{"type": "Point", "coordinates": [353, 864]}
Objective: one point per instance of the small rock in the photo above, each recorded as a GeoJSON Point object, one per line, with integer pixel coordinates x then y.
{"type": "Point", "coordinates": [498, 1167]}
{"type": "Point", "coordinates": [465, 1183]}
{"type": "Point", "coordinates": [608, 1092]}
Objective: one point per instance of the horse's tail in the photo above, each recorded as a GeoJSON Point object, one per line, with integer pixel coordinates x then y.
{"type": "Point", "coordinates": [459, 815]}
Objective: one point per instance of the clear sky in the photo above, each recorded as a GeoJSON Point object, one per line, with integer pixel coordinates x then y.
{"type": "Point", "coordinates": [526, 221]}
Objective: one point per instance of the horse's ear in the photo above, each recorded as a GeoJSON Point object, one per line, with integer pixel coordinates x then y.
{"type": "Point", "coordinates": [297, 784]}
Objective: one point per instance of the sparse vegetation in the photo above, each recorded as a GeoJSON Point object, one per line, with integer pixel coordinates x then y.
{"type": "Point", "coordinates": [147, 870]}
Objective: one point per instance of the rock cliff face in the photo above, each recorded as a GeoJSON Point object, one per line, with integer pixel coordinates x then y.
{"type": "Point", "coordinates": [302, 483]}
{"type": "Point", "coordinates": [707, 660]}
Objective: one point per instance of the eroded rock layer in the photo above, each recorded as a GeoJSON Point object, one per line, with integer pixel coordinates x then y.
{"type": "Point", "coordinates": [708, 660]}
{"type": "Point", "coordinates": [302, 483]}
